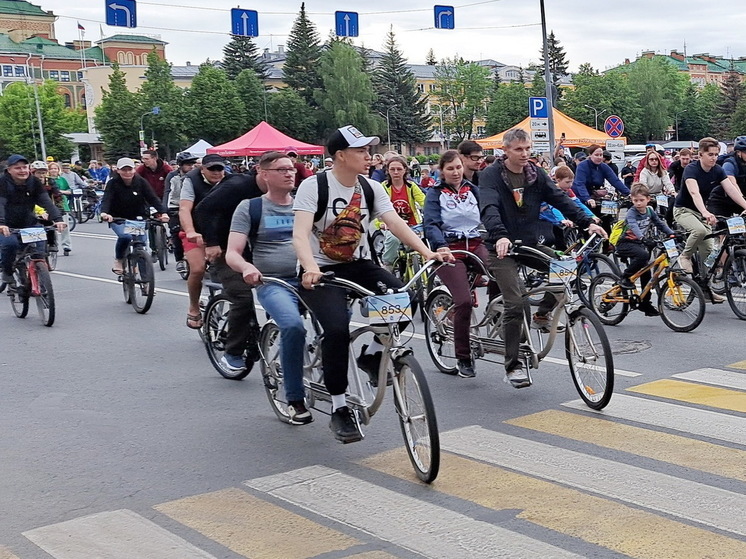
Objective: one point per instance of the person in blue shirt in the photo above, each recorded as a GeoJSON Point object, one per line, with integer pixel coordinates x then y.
{"type": "Point", "coordinates": [590, 175]}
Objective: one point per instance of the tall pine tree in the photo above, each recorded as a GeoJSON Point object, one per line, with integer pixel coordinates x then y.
{"type": "Point", "coordinates": [430, 59]}
{"type": "Point", "coordinates": [301, 67]}
{"type": "Point", "coordinates": [114, 117]}
{"type": "Point", "coordinates": [398, 96]}
{"type": "Point", "coordinates": [558, 64]}
{"type": "Point", "coordinates": [731, 94]}
{"type": "Point", "coordinates": [240, 54]}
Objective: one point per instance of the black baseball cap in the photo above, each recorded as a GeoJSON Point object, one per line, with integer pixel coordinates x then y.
{"type": "Point", "coordinates": [349, 137]}
{"type": "Point", "coordinates": [212, 159]}
{"type": "Point", "coordinates": [16, 158]}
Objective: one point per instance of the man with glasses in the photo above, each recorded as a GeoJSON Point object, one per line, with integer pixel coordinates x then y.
{"type": "Point", "coordinates": [471, 158]}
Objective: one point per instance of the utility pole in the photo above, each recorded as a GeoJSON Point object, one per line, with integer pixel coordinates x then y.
{"type": "Point", "coordinates": [547, 79]}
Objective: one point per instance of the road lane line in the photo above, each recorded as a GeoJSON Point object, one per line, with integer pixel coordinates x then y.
{"type": "Point", "coordinates": [694, 421]}
{"type": "Point", "coordinates": [664, 447]}
{"type": "Point", "coordinates": [738, 365]}
{"type": "Point", "coordinates": [625, 529]}
{"type": "Point", "coordinates": [255, 528]}
{"type": "Point", "coordinates": [704, 504]}
{"type": "Point", "coordinates": [93, 236]}
{"type": "Point", "coordinates": [694, 394]}
{"type": "Point", "coordinates": [109, 280]}
{"type": "Point", "coordinates": [424, 528]}
{"type": "Point", "coordinates": [718, 377]}
{"type": "Point", "coordinates": [120, 534]}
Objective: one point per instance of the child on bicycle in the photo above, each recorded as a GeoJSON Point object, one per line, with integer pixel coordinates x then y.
{"type": "Point", "coordinates": [637, 240]}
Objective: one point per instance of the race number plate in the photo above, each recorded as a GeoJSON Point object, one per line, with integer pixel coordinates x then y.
{"type": "Point", "coordinates": [662, 200]}
{"type": "Point", "coordinates": [670, 246]}
{"type": "Point", "coordinates": [134, 227]}
{"type": "Point", "coordinates": [736, 225]}
{"type": "Point", "coordinates": [77, 192]}
{"type": "Point", "coordinates": [32, 235]}
{"type": "Point", "coordinates": [562, 271]}
{"type": "Point", "coordinates": [389, 308]}
{"type": "Point", "coordinates": [609, 207]}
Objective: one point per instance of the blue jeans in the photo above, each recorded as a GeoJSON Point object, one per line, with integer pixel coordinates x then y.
{"type": "Point", "coordinates": [124, 240]}
{"type": "Point", "coordinates": [9, 248]}
{"type": "Point", "coordinates": [282, 306]}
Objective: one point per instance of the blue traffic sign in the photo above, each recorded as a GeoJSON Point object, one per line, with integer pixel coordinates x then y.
{"type": "Point", "coordinates": [244, 22]}
{"type": "Point", "coordinates": [121, 13]}
{"type": "Point", "coordinates": [445, 17]}
{"type": "Point", "coordinates": [346, 24]}
{"type": "Point", "coordinates": [537, 107]}
{"type": "Point", "coordinates": [614, 126]}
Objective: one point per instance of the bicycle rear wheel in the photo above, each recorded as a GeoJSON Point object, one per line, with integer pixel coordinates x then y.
{"type": "Point", "coordinates": [45, 299]}
{"type": "Point", "coordinates": [216, 334]}
{"type": "Point", "coordinates": [439, 331]}
{"type": "Point", "coordinates": [604, 294]}
{"type": "Point", "coordinates": [73, 222]}
{"type": "Point", "coordinates": [274, 386]}
{"type": "Point", "coordinates": [161, 246]}
{"type": "Point", "coordinates": [735, 283]}
{"type": "Point", "coordinates": [142, 288]}
{"type": "Point", "coordinates": [588, 269]}
{"type": "Point", "coordinates": [19, 295]}
{"type": "Point", "coordinates": [589, 356]}
{"type": "Point", "coordinates": [681, 302]}
{"type": "Point", "coordinates": [416, 413]}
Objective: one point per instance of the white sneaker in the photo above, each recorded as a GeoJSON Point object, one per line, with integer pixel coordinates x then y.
{"type": "Point", "coordinates": [517, 378]}
{"type": "Point", "coordinates": [686, 264]}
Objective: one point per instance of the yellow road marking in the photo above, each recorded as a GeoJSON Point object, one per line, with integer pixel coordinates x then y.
{"type": "Point", "coordinates": [255, 528]}
{"type": "Point", "coordinates": [621, 528]}
{"type": "Point", "coordinates": [674, 449]}
{"type": "Point", "coordinates": [738, 365]}
{"type": "Point", "coordinates": [5, 553]}
{"type": "Point", "coordinates": [711, 396]}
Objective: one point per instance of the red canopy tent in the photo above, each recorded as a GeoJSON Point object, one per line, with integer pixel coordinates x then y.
{"type": "Point", "coordinates": [261, 138]}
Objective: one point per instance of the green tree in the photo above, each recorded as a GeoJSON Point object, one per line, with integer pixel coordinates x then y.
{"type": "Point", "coordinates": [117, 117]}
{"type": "Point", "coordinates": [398, 97]}
{"type": "Point", "coordinates": [732, 92]}
{"type": "Point", "coordinates": [430, 59]}
{"type": "Point", "coordinates": [241, 53]}
{"type": "Point", "coordinates": [216, 112]}
{"type": "Point", "coordinates": [301, 69]}
{"type": "Point", "coordinates": [461, 88]}
{"type": "Point", "coordinates": [19, 128]}
{"type": "Point", "coordinates": [695, 117]}
{"type": "Point", "coordinates": [253, 95]}
{"type": "Point", "coordinates": [507, 107]}
{"type": "Point", "coordinates": [169, 125]}
{"type": "Point", "coordinates": [290, 114]}
{"type": "Point", "coordinates": [558, 63]}
{"type": "Point", "coordinates": [347, 93]}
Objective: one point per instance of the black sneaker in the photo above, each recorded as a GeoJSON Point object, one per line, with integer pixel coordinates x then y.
{"type": "Point", "coordinates": [67, 252]}
{"type": "Point", "coordinates": [298, 413]}
{"type": "Point", "coordinates": [8, 278]}
{"type": "Point", "coordinates": [371, 363]}
{"type": "Point", "coordinates": [626, 283]}
{"type": "Point", "coordinates": [648, 309]}
{"type": "Point", "coordinates": [344, 426]}
{"type": "Point", "coordinates": [466, 368]}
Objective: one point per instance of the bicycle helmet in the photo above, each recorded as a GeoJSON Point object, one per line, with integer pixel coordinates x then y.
{"type": "Point", "coordinates": [185, 157]}
{"type": "Point", "coordinates": [38, 165]}
{"type": "Point", "coordinates": [740, 144]}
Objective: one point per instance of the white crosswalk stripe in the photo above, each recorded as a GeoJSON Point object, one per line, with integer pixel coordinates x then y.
{"type": "Point", "coordinates": [717, 377]}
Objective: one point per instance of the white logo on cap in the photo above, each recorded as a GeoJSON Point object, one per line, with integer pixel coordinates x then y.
{"type": "Point", "coordinates": [354, 131]}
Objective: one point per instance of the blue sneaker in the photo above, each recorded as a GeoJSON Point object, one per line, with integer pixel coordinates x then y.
{"type": "Point", "coordinates": [234, 363]}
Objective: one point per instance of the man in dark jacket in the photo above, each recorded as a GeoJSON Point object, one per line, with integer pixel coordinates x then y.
{"type": "Point", "coordinates": [19, 193]}
{"type": "Point", "coordinates": [212, 218]}
{"type": "Point", "coordinates": [511, 193]}
{"type": "Point", "coordinates": [154, 170]}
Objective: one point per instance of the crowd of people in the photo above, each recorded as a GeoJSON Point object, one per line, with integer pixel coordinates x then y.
{"type": "Point", "coordinates": [295, 220]}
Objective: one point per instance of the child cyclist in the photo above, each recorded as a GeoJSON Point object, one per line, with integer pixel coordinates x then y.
{"type": "Point", "coordinates": [637, 240]}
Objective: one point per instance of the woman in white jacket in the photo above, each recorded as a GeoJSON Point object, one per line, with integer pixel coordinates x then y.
{"type": "Point", "coordinates": [655, 177]}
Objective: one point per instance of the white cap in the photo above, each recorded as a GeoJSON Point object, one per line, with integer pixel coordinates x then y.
{"type": "Point", "coordinates": [125, 162]}
{"type": "Point", "coordinates": [349, 137]}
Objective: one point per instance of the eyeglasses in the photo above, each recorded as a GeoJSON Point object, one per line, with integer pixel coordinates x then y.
{"type": "Point", "coordinates": [476, 157]}
{"type": "Point", "coordinates": [216, 168]}
{"type": "Point", "coordinates": [292, 170]}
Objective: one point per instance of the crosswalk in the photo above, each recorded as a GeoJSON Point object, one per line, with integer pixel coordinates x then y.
{"type": "Point", "coordinates": [659, 473]}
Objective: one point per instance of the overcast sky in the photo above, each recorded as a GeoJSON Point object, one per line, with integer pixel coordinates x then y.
{"type": "Point", "coordinates": [509, 31]}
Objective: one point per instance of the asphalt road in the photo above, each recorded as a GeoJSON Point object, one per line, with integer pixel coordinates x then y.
{"type": "Point", "coordinates": [119, 440]}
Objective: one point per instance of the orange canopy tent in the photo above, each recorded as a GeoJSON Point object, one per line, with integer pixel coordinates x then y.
{"type": "Point", "coordinates": [576, 133]}
{"type": "Point", "coordinates": [261, 138]}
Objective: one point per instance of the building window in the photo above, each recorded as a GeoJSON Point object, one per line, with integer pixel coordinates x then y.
{"type": "Point", "coordinates": [20, 71]}
{"type": "Point", "coordinates": [480, 130]}
{"type": "Point", "coordinates": [68, 100]}
{"type": "Point", "coordinates": [83, 103]}
{"type": "Point", "coordinates": [54, 75]}
{"type": "Point", "coordinates": [80, 76]}
{"type": "Point", "coordinates": [64, 76]}
{"type": "Point", "coordinates": [433, 87]}
{"type": "Point", "coordinates": [421, 87]}
{"type": "Point", "coordinates": [8, 71]}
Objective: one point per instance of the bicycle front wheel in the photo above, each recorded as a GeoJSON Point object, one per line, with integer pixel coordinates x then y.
{"type": "Point", "coordinates": [274, 386]}
{"type": "Point", "coordinates": [605, 299]}
{"type": "Point", "coordinates": [51, 259]}
{"type": "Point", "coordinates": [20, 293]}
{"type": "Point", "coordinates": [735, 283]}
{"type": "Point", "coordinates": [416, 412]}
{"type": "Point", "coordinates": [142, 276]}
{"type": "Point", "coordinates": [439, 331]}
{"type": "Point", "coordinates": [681, 302]}
{"type": "Point", "coordinates": [589, 356]}
{"type": "Point", "coordinates": [45, 299]}
{"type": "Point", "coordinates": [72, 221]}
{"type": "Point", "coordinates": [589, 268]}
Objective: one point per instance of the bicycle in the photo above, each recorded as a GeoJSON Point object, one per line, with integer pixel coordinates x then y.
{"type": "Point", "coordinates": [587, 348]}
{"type": "Point", "coordinates": [681, 302]}
{"type": "Point", "coordinates": [406, 266]}
{"type": "Point", "coordinates": [159, 242]}
{"type": "Point", "coordinates": [412, 399]}
{"type": "Point", "coordinates": [32, 278]}
{"type": "Point", "coordinates": [138, 277]}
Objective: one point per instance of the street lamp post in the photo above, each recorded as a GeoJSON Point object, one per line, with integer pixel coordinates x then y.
{"type": "Point", "coordinates": [153, 111]}
{"type": "Point", "coordinates": [547, 78]}
{"type": "Point", "coordinates": [596, 112]}
{"type": "Point", "coordinates": [388, 127]}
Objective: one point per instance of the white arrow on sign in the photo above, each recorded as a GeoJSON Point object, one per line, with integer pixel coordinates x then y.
{"type": "Point", "coordinates": [347, 25]}
{"type": "Point", "coordinates": [126, 10]}
{"type": "Point", "coordinates": [539, 124]}
{"type": "Point", "coordinates": [440, 16]}
{"type": "Point", "coordinates": [245, 18]}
